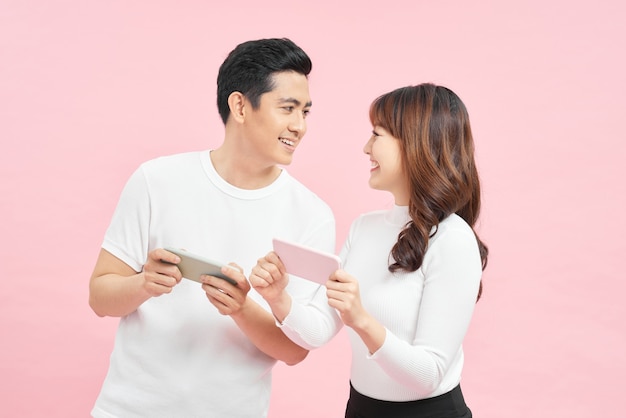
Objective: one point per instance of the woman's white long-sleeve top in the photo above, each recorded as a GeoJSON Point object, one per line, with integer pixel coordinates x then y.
{"type": "Point", "coordinates": [426, 313]}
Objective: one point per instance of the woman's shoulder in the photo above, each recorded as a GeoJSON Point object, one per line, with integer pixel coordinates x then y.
{"type": "Point", "coordinates": [453, 228]}
{"type": "Point", "coordinates": [455, 222]}
{"type": "Point", "coordinates": [373, 217]}
{"type": "Point", "coordinates": [377, 222]}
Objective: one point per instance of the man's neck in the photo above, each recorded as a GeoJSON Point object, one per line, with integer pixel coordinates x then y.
{"type": "Point", "coordinates": [241, 170]}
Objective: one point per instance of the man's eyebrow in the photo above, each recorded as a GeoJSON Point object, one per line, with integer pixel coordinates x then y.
{"type": "Point", "coordinates": [293, 101]}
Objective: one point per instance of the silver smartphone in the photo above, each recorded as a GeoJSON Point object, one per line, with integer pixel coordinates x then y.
{"type": "Point", "coordinates": [192, 266]}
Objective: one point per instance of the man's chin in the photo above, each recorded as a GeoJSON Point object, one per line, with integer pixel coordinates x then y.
{"type": "Point", "coordinates": [285, 160]}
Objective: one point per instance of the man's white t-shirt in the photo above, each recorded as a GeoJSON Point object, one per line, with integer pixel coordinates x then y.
{"type": "Point", "coordinates": [176, 355]}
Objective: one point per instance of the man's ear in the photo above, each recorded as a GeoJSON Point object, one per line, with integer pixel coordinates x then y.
{"type": "Point", "coordinates": [238, 106]}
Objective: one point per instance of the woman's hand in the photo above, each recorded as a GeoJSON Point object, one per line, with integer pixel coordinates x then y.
{"type": "Point", "coordinates": [270, 279]}
{"type": "Point", "coordinates": [343, 294]}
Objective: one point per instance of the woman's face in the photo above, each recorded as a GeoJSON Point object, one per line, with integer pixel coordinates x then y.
{"type": "Point", "coordinates": [387, 171]}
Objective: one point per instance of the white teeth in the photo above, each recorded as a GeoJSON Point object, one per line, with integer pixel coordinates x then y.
{"type": "Point", "coordinates": [287, 141]}
{"type": "Point", "coordinates": [374, 164]}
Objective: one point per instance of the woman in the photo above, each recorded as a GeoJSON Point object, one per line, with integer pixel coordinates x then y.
{"type": "Point", "coordinates": [412, 274]}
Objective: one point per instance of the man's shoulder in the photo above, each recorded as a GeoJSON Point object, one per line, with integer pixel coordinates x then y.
{"type": "Point", "coordinates": [172, 168]}
{"type": "Point", "coordinates": [172, 165]}
{"type": "Point", "coordinates": [305, 194]}
{"type": "Point", "coordinates": [179, 159]}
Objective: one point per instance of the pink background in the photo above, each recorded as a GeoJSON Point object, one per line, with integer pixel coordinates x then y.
{"type": "Point", "coordinates": [90, 89]}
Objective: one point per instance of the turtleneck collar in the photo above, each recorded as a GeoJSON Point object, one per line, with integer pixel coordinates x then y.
{"type": "Point", "coordinates": [398, 215]}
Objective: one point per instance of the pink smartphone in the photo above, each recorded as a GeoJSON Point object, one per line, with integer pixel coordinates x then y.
{"type": "Point", "coordinates": [306, 262]}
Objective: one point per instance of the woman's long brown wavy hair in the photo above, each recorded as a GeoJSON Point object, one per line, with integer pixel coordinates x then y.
{"type": "Point", "coordinates": [433, 127]}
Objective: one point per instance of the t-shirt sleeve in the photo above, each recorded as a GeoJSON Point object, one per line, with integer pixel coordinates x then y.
{"type": "Point", "coordinates": [127, 236]}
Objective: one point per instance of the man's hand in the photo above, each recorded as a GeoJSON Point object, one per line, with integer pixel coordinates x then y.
{"type": "Point", "coordinates": [160, 273]}
{"type": "Point", "coordinates": [229, 299]}
{"type": "Point", "coordinates": [115, 289]}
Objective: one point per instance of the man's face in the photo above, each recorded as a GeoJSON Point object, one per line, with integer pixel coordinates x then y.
{"type": "Point", "coordinates": [275, 128]}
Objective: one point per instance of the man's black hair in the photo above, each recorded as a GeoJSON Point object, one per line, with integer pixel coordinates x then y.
{"type": "Point", "coordinates": [249, 69]}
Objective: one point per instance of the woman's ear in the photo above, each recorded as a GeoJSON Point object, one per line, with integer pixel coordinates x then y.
{"type": "Point", "coordinates": [237, 105]}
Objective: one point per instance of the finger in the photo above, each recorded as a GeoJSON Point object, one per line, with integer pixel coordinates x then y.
{"type": "Point", "coordinates": [163, 255]}
{"type": "Point", "coordinates": [221, 307]}
{"type": "Point", "coordinates": [339, 276]}
{"type": "Point", "coordinates": [335, 295]}
{"type": "Point", "coordinates": [335, 304]}
{"type": "Point", "coordinates": [275, 268]}
{"type": "Point", "coordinates": [236, 266]}
{"type": "Point", "coordinates": [257, 281]}
{"type": "Point", "coordinates": [237, 292]}
{"type": "Point", "coordinates": [216, 282]}
{"type": "Point", "coordinates": [163, 262]}
{"type": "Point", "coordinates": [164, 269]}
{"type": "Point", "coordinates": [157, 284]}
{"type": "Point", "coordinates": [161, 279]}
{"type": "Point", "coordinates": [230, 298]}
{"type": "Point", "coordinates": [215, 292]}
{"type": "Point", "coordinates": [334, 284]}
{"type": "Point", "coordinates": [275, 260]}
{"type": "Point", "coordinates": [260, 276]}
{"type": "Point", "coordinates": [234, 273]}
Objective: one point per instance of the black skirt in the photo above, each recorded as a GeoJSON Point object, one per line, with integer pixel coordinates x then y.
{"type": "Point", "coordinates": [448, 405]}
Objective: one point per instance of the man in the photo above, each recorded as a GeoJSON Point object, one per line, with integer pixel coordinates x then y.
{"type": "Point", "coordinates": [176, 353]}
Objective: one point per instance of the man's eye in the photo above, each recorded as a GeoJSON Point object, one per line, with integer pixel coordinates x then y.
{"type": "Point", "coordinates": [288, 108]}
{"type": "Point", "coordinates": [306, 113]}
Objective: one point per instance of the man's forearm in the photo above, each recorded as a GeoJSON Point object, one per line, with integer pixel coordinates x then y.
{"type": "Point", "coordinates": [115, 295]}
{"type": "Point", "coordinates": [260, 327]}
